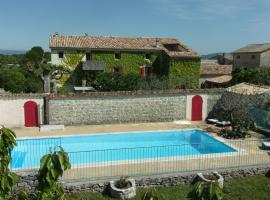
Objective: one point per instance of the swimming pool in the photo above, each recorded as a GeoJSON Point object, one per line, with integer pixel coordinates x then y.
{"type": "Point", "coordinates": [102, 148]}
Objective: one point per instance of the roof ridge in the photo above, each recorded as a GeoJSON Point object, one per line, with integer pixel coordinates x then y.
{"type": "Point", "coordinates": [114, 36]}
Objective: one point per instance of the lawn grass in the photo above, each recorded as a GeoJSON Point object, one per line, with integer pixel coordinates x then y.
{"type": "Point", "coordinates": [248, 188]}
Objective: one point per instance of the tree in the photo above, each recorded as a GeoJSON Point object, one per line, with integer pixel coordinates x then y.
{"type": "Point", "coordinates": [12, 80]}
{"type": "Point", "coordinates": [37, 62]}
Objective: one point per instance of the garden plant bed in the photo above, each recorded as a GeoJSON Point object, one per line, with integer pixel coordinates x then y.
{"type": "Point", "coordinates": [248, 188]}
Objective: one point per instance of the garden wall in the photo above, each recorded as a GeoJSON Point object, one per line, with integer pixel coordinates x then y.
{"type": "Point", "coordinates": [12, 109]}
{"type": "Point", "coordinates": [125, 107]}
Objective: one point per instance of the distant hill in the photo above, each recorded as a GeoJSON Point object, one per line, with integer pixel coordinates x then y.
{"type": "Point", "coordinates": [211, 55]}
{"type": "Point", "coordinates": [11, 52]}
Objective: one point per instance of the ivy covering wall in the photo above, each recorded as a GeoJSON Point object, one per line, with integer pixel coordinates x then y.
{"type": "Point", "coordinates": [184, 72]}
{"type": "Point", "coordinates": [180, 73]}
{"type": "Point", "coordinates": [130, 62]}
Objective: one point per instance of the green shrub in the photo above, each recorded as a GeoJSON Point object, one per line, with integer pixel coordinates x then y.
{"type": "Point", "coordinates": [52, 167]}
{"type": "Point", "coordinates": [152, 194]}
{"type": "Point", "coordinates": [117, 82]}
{"type": "Point", "coordinates": [230, 134]}
{"type": "Point", "coordinates": [207, 191]}
{"type": "Point", "coordinates": [7, 178]}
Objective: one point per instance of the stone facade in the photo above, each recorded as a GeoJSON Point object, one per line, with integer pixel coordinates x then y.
{"type": "Point", "coordinates": [28, 180]}
{"type": "Point", "coordinates": [120, 109]}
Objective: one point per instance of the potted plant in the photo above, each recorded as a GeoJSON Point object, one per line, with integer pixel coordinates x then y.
{"type": "Point", "coordinates": [124, 188]}
{"type": "Point", "coordinates": [214, 177]}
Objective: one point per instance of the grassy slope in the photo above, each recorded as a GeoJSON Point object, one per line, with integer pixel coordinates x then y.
{"type": "Point", "coordinates": [248, 188]}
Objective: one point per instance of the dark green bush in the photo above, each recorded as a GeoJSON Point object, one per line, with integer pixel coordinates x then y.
{"type": "Point", "coordinates": [230, 134]}
{"type": "Point", "coordinates": [117, 82]}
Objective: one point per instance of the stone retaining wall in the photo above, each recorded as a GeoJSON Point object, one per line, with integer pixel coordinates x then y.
{"type": "Point", "coordinates": [123, 109]}
{"type": "Point", "coordinates": [126, 108]}
{"type": "Point", "coordinates": [29, 181]}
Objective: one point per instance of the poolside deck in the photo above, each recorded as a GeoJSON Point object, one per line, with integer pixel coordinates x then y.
{"type": "Point", "coordinates": [107, 128]}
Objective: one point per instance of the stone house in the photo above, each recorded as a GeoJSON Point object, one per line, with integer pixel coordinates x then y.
{"type": "Point", "coordinates": [252, 56]}
{"type": "Point", "coordinates": [214, 74]}
{"type": "Point", "coordinates": [160, 56]}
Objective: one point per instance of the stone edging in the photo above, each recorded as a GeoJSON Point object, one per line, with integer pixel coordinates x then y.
{"type": "Point", "coordinates": [29, 180]}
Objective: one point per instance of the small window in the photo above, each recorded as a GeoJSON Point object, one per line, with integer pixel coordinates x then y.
{"type": "Point", "coordinates": [88, 56]}
{"type": "Point", "coordinates": [148, 56]}
{"type": "Point", "coordinates": [253, 57]}
{"type": "Point", "coordinates": [61, 54]}
{"type": "Point", "coordinates": [238, 56]}
{"type": "Point", "coordinates": [117, 55]}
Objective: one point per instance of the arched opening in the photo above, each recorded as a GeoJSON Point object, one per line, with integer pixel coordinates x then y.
{"type": "Point", "coordinates": [31, 114]}
{"type": "Point", "coordinates": [197, 103]}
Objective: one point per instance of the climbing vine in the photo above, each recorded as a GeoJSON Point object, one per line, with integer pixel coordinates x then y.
{"type": "Point", "coordinates": [130, 62]}
{"type": "Point", "coordinates": [184, 73]}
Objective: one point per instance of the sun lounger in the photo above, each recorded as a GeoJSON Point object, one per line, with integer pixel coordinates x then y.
{"type": "Point", "coordinates": [223, 123]}
{"type": "Point", "coordinates": [266, 145]}
{"type": "Point", "coordinates": [212, 121]}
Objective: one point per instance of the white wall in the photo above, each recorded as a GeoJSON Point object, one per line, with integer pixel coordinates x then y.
{"type": "Point", "coordinates": [58, 61]}
{"type": "Point", "coordinates": [12, 111]}
{"type": "Point", "coordinates": [189, 106]}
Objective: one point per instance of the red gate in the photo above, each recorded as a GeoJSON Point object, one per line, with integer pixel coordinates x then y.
{"type": "Point", "coordinates": [197, 103]}
{"type": "Point", "coordinates": [31, 114]}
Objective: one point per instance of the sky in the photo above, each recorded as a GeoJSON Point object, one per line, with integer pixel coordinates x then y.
{"type": "Point", "coordinates": [207, 26]}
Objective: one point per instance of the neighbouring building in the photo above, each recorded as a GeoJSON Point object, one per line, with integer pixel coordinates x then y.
{"type": "Point", "coordinates": [160, 56]}
{"type": "Point", "coordinates": [214, 74]}
{"type": "Point", "coordinates": [222, 58]}
{"type": "Point", "coordinates": [252, 56]}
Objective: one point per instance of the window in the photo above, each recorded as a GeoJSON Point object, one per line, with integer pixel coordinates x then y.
{"type": "Point", "coordinates": [117, 55]}
{"type": "Point", "coordinates": [253, 56]}
{"type": "Point", "coordinates": [238, 57]}
{"type": "Point", "coordinates": [61, 54]}
{"type": "Point", "coordinates": [148, 56]}
{"type": "Point", "coordinates": [88, 56]}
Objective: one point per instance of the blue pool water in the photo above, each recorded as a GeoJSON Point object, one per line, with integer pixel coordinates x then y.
{"type": "Point", "coordinates": [119, 147]}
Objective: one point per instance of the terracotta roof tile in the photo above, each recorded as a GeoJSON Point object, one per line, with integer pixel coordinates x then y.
{"type": "Point", "coordinates": [215, 69]}
{"type": "Point", "coordinates": [120, 43]}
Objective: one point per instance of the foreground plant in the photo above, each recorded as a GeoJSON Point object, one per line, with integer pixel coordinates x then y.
{"type": "Point", "coordinates": [152, 194]}
{"type": "Point", "coordinates": [52, 167]}
{"type": "Point", "coordinates": [207, 191]}
{"type": "Point", "coordinates": [7, 178]}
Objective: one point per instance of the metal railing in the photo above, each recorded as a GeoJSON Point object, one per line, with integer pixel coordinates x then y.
{"type": "Point", "coordinates": [140, 161]}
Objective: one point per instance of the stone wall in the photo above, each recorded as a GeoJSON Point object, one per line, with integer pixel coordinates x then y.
{"type": "Point", "coordinates": [117, 109]}
{"type": "Point", "coordinates": [126, 107]}
{"type": "Point", "coordinates": [28, 180]}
